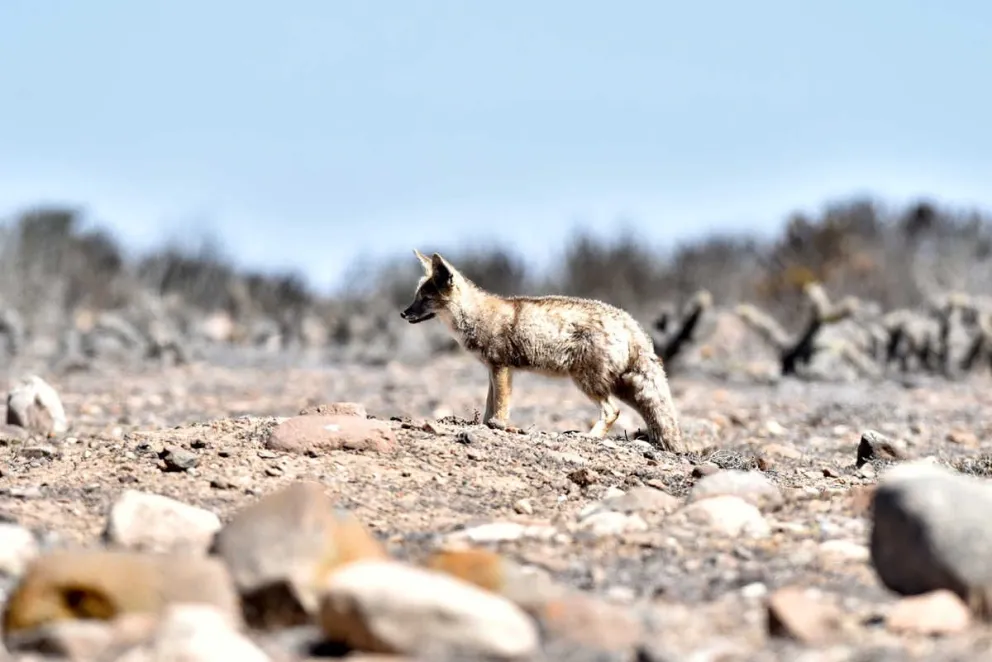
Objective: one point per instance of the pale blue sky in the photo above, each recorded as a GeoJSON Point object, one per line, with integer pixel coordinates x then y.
{"type": "Point", "coordinates": [309, 132]}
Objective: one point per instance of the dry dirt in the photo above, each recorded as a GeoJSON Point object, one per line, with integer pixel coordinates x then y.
{"type": "Point", "coordinates": [710, 587]}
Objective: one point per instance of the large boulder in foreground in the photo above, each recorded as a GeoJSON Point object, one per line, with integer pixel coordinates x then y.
{"type": "Point", "coordinates": [280, 548]}
{"type": "Point", "coordinates": [931, 530]}
{"type": "Point", "coordinates": [83, 584]}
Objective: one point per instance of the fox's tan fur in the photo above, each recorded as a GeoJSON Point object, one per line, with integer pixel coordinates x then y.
{"type": "Point", "coordinates": [601, 348]}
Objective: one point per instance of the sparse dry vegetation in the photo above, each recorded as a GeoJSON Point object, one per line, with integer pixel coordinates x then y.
{"type": "Point", "coordinates": [912, 286]}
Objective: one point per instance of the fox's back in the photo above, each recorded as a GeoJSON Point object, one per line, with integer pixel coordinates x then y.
{"type": "Point", "coordinates": [561, 334]}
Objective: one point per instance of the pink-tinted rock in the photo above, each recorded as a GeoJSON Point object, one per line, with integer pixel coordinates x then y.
{"type": "Point", "coordinates": [320, 433]}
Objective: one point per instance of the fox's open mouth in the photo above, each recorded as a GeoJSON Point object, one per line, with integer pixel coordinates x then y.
{"type": "Point", "coordinates": [413, 319]}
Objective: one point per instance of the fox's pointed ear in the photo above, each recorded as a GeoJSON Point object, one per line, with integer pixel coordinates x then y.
{"type": "Point", "coordinates": [425, 261]}
{"type": "Point", "coordinates": [441, 270]}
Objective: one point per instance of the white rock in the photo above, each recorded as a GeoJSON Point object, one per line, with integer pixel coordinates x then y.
{"type": "Point", "coordinates": [730, 515]}
{"type": "Point", "coordinates": [524, 507]}
{"type": "Point", "coordinates": [754, 590]}
{"type": "Point", "coordinates": [774, 428]}
{"type": "Point", "coordinates": [752, 486]}
{"type": "Point", "coordinates": [611, 523]}
{"type": "Point", "coordinates": [17, 547]}
{"type": "Point", "coordinates": [155, 523]}
{"type": "Point", "coordinates": [844, 550]}
{"type": "Point", "coordinates": [200, 633]}
{"type": "Point", "coordinates": [500, 532]}
{"type": "Point", "coordinates": [391, 607]}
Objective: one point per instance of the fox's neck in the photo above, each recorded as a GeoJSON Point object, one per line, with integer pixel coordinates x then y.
{"type": "Point", "coordinates": [473, 307]}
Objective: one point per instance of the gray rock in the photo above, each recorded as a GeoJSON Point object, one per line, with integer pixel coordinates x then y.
{"type": "Point", "coordinates": [931, 530]}
{"type": "Point", "coordinates": [178, 459]}
{"type": "Point", "coordinates": [875, 445]}
{"type": "Point", "coordinates": [39, 452]}
{"type": "Point", "coordinates": [34, 405]}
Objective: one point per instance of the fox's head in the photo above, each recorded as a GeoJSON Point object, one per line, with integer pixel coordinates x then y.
{"type": "Point", "coordinates": [434, 291]}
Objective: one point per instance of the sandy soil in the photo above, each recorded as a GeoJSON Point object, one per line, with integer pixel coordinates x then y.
{"type": "Point", "coordinates": [710, 588]}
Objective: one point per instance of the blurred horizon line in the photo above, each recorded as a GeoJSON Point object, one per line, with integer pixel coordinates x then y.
{"type": "Point", "coordinates": [220, 242]}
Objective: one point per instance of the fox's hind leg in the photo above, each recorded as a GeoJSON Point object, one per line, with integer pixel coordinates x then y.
{"type": "Point", "coordinates": [609, 412]}
{"type": "Point", "coordinates": [609, 409]}
{"type": "Point", "coordinates": [498, 399]}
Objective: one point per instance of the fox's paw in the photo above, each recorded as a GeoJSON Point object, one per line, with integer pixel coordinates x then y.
{"type": "Point", "coordinates": [496, 424]}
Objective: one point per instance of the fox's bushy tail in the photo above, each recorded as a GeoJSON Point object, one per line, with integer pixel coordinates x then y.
{"type": "Point", "coordinates": [644, 387]}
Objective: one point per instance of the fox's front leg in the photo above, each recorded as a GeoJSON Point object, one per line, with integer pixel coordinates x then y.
{"type": "Point", "coordinates": [489, 400]}
{"type": "Point", "coordinates": [498, 400]}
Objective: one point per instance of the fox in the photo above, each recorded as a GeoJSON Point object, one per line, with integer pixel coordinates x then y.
{"type": "Point", "coordinates": [607, 354]}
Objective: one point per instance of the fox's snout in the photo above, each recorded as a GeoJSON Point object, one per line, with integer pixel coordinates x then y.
{"type": "Point", "coordinates": [415, 314]}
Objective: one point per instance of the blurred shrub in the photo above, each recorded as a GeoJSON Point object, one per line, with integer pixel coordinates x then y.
{"type": "Point", "coordinates": [623, 271]}
{"type": "Point", "coordinates": [51, 265]}
{"type": "Point", "coordinates": [202, 275]}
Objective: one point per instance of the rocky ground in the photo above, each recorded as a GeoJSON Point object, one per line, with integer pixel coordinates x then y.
{"type": "Point", "coordinates": [755, 546]}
